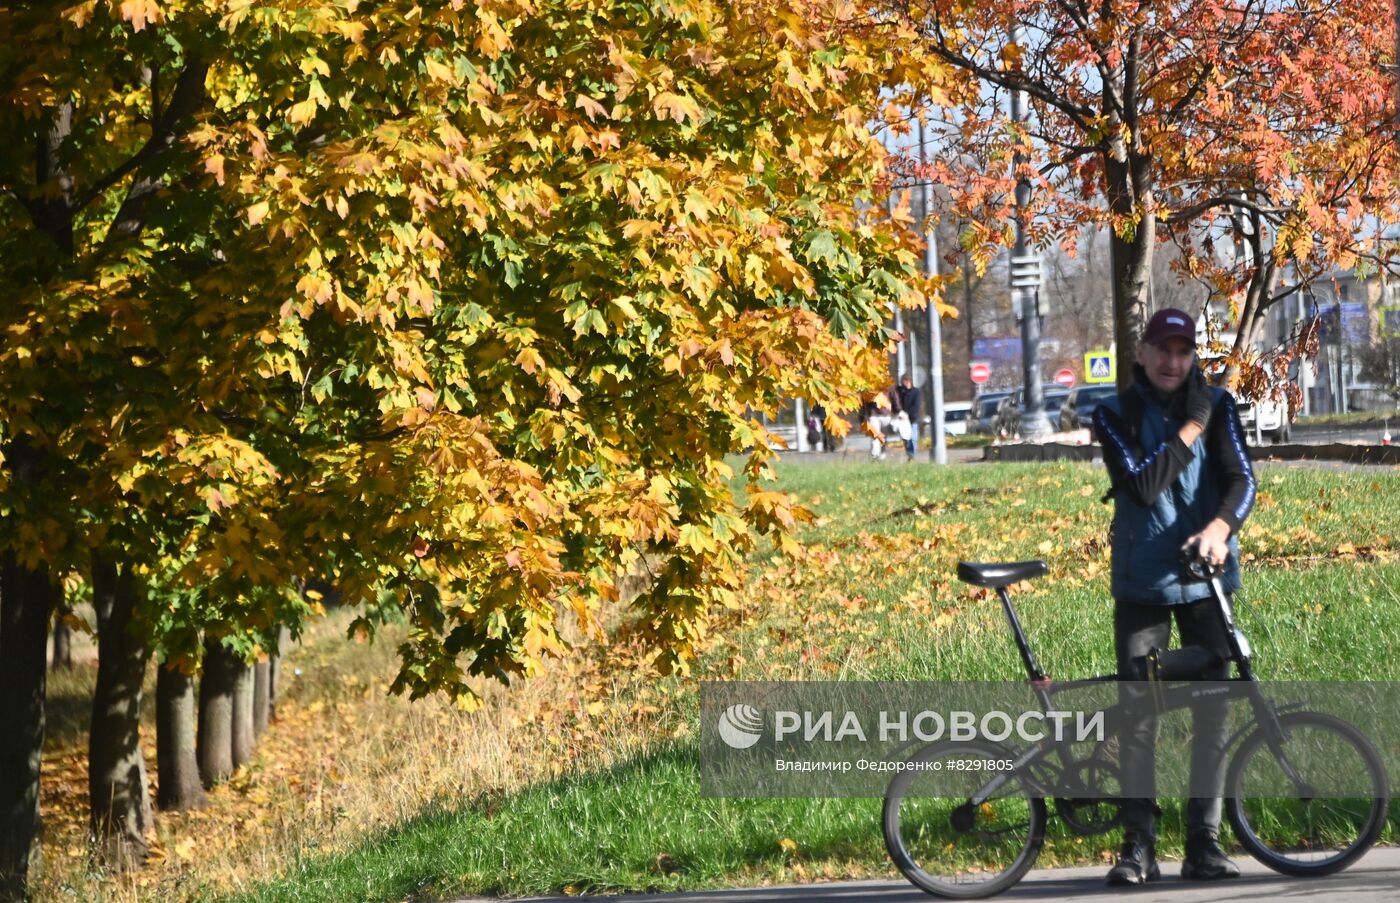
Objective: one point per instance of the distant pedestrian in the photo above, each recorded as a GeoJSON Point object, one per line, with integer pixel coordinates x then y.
{"type": "Point", "coordinates": [877, 420]}
{"type": "Point", "coordinates": [816, 429]}
{"type": "Point", "coordinates": [896, 425]}
{"type": "Point", "coordinates": [909, 403]}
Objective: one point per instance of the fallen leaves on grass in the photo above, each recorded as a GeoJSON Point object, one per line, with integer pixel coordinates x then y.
{"type": "Point", "coordinates": [344, 758]}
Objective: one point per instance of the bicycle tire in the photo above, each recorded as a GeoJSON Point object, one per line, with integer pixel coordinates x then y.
{"type": "Point", "coordinates": [1308, 836]}
{"type": "Point", "coordinates": [936, 854]}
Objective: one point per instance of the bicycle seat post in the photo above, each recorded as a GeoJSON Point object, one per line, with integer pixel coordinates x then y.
{"type": "Point", "coordinates": [1033, 669]}
{"type": "Point", "coordinates": [999, 576]}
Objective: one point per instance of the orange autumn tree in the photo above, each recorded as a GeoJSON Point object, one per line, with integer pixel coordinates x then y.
{"type": "Point", "coordinates": [459, 305]}
{"type": "Point", "coordinates": [1279, 184]}
{"type": "Point", "coordinates": [1171, 119]}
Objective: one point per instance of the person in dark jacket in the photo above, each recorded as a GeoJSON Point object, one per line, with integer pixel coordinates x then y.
{"type": "Point", "coordinates": [816, 429]}
{"type": "Point", "coordinates": [909, 404]}
{"type": "Point", "coordinates": [1175, 453]}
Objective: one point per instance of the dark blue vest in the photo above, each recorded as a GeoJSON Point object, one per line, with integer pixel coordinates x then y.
{"type": "Point", "coordinates": [1147, 539]}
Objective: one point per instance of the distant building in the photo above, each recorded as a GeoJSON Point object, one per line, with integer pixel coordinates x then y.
{"type": "Point", "coordinates": [1352, 311]}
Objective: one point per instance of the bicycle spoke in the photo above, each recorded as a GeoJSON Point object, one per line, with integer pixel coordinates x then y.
{"type": "Point", "coordinates": [947, 845]}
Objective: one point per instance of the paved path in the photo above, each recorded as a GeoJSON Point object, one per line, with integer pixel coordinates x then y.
{"type": "Point", "coordinates": [1375, 879]}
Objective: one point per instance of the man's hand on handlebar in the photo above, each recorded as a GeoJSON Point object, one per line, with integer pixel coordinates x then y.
{"type": "Point", "coordinates": [1211, 545]}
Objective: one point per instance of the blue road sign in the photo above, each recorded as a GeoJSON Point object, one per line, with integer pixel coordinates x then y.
{"type": "Point", "coordinates": [1098, 367]}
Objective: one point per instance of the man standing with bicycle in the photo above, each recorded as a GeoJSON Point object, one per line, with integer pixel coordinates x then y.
{"type": "Point", "coordinates": [1175, 453]}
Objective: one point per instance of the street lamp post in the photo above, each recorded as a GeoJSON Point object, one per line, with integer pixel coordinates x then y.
{"type": "Point", "coordinates": [1025, 288]}
{"type": "Point", "coordinates": [938, 443]}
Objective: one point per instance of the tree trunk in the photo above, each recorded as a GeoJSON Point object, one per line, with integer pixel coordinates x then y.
{"type": "Point", "coordinates": [62, 640]}
{"type": "Point", "coordinates": [274, 674]}
{"type": "Point", "coordinates": [1258, 298]}
{"type": "Point", "coordinates": [261, 696]}
{"type": "Point", "coordinates": [179, 786]}
{"type": "Point", "coordinates": [26, 598]}
{"type": "Point", "coordinates": [242, 739]}
{"type": "Point", "coordinates": [967, 307]}
{"type": "Point", "coordinates": [214, 747]}
{"type": "Point", "coordinates": [274, 671]}
{"type": "Point", "coordinates": [1130, 196]}
{"type": "Point", "coordinates": [121, 808]}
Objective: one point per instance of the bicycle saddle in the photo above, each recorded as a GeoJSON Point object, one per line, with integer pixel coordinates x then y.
{"type": "Point", "coordinates": [997, 576]}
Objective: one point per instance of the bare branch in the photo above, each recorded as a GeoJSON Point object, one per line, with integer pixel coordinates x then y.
{"type": "Point", "coordinates": [1079, 113]}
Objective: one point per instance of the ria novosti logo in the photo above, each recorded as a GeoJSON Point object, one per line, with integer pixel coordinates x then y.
{"type": "Point", "coordinates": [740, 725]}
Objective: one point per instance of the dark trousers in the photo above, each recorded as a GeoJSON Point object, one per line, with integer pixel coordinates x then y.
{"type": "Point", "coordinates": [1136, 629]}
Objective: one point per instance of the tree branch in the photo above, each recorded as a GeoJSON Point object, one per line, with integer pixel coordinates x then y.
{"type": "Point", "coordinates": [1079, 15]}
{"type": "Point", "coordinates": [189, 93]}
{"type": "Point", "coordinates": [1284, 293]}
{"type": "Point", "coordinates": [1223, 200]}
{"type": "Point", "coordinates": [1131, 62]}
{"type": "Point", "coordinates": [52, 212]}
{"type": "Point", "coordinates": [1076, 112]}
{"type": "Point", "coordinates": [1196, 87]}
{"type": "Point", "coordinates": [301, 439]}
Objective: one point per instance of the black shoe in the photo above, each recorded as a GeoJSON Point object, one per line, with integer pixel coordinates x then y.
{"type": "Point", "coordinates": [1137, 864]}
{"type": "Point", "coordinates": [1205, 861]}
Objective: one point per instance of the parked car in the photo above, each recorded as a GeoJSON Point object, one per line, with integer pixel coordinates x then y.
{"type": "Point", "coordinates": [1077, 412]}
{"type": "Point", "coordinates": [984, 411]}
{"type": "Point", "coordinates": [1275, 424]}
{"type": "Point", "coordinates": [1272, 417]}
{"type": "Point", "coordinates": [1272, 414]}
{"type": "Point", "coordinates": [1012, 409]}
{"type": "Point", "coordinates": [1054, 400]}
{"type": "Point", "coordinates": [955, 417]}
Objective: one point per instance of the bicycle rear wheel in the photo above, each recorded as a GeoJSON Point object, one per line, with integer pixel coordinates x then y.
{"type": "Point", "coordinates": [1325, 820]}
{"type": "Point", "coordinates": [949, 847]}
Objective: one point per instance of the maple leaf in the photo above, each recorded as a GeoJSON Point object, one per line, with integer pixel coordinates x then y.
{"type": "Point", "coordinates": [591, 107]}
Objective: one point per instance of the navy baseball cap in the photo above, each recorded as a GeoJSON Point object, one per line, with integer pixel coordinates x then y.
{"type": "Point", "coordinates": [1170, 323]}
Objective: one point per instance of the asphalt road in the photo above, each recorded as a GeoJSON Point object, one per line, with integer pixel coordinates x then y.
{"type": "Point", "coordinates": [1375, 879]}
{"type": "Point", "coordinates": [1302, 432]}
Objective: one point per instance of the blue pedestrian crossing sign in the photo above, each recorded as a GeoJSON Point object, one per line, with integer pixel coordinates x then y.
{"type": "Point", "coordinates": [1098, 367]}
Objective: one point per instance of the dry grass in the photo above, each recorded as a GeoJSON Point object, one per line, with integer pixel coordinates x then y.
{"type": "Point", "coordinates": [344, 758]}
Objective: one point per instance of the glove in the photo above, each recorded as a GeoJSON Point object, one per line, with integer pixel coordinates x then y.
{"type": "Point", "coordinates": [1196, 397]}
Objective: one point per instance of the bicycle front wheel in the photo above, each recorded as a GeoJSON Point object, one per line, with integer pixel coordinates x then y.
{"type": "Point", "coordinates": [945, 844]}
{"type": "Point", "coordinates": [1323, 816]}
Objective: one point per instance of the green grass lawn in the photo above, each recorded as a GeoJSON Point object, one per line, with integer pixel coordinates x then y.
{"type": "Point", "coordinates": [875, 598]}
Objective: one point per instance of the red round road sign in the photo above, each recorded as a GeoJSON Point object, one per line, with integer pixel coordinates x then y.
{"type": "Point", "coordinates": [1065, 377]}
{"type": "Point", "coordinates": [979, 371]}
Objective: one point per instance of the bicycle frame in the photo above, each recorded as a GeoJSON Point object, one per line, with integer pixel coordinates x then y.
{"type": "Point", "coordinates": [969, 845]}
{"type": "Point", "coordinates": [1169, 698]}
{"type": "Point", "coordinates": [1172, 698]}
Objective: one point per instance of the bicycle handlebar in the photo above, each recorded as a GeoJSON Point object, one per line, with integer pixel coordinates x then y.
{"type": "Point", "coordinates": [1197, 566]}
